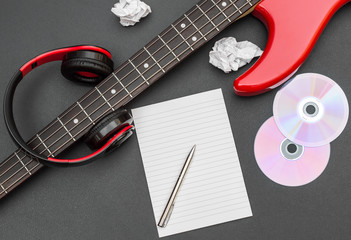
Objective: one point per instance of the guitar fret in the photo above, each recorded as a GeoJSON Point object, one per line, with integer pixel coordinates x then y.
{"type": "Point", "coordinates": [154, 61]}
{"type": "Point", "coordinates": [3, 189]}
{"type": "Point", "coordinates": [182, 37]}
{"type": "Point", "coordinates": [23, 163]}
{"type": "Point", "coordinates": [208, 18]}
{"type": "Point", "coordinates": [141, 75]}
{"type": "Point", "coordinates": [69, 133]}
{"type": "Point", "coordinates": [85, 113]}
{"type": "Point", "coordinates": [25, 167]}
{"type": "Point", "coordinates": [122, 85]}
{"type": "Point", "coordinates": [225, 15]}
{"type": "Point", "coordinates": [176, 57]}
{"type": "Point", "coordinates": [249, 2]}
{"type": "Point", "coordinates": [46, 147]}
{"type": "Point", "coordinates": [104, 99]}
{"type": "Point", "coordinates": [237, 9]}
{"type": "Point", "coordinates": [195, 27]}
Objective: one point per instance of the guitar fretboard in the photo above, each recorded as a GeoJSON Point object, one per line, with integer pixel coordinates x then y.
{"type": "Point", "coordinates": [200, 24]}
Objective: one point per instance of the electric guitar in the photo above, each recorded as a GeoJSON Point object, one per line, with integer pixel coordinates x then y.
{"type": "Point", "coordinates": [294, 27]}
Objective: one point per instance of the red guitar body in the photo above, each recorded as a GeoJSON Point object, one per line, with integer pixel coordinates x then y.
{"type": "Point", "coordinates": [294, 27]}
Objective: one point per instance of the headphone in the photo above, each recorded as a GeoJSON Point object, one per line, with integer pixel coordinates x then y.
{"type": "Point", "coordinates": [84, 63]}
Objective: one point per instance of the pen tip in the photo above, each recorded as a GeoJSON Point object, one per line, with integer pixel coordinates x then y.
{"type": "Point", "coordinates": [193, 149]}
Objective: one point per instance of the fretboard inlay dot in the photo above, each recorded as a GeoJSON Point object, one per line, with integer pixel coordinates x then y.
{"type": "Point", "coordinates": [194, 38]}
{"type": "Point", "coordinates": [146, 65]}
{"type": "Point", "coordinates": [113, 91]}
{"type": "Point", "coordinates": [224, 4]}
{"type": "Point", "coordinates": [182, 25]}
{"type": "Point", "coordinates": [75, 121]}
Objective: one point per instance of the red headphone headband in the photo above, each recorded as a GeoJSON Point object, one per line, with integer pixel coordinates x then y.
{"type": "Point", "coordinates": [56, 55]}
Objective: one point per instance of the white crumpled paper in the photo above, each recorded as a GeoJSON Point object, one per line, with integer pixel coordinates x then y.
{"type": "Point", "coordinates": [229, 55]}
{"type": "Point", "coordinates": [130, 11]}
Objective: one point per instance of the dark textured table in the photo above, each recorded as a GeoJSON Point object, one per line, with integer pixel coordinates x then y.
{"type": "Point", "coordinates": [109, 199]}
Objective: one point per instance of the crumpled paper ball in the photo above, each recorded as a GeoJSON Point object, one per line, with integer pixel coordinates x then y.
{"type": "Point", "coordinates": [130, 11]}
{"type": "Point", "coordinates": [229, 55]}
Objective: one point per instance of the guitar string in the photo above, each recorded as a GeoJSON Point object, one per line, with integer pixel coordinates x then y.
{"type": "Point", "coordinates": [152, 43]}
{"type": "Point", "coordinates": [18, 179]}
{"type": "Point", "coordinates": [134, 81]}
{"type": "Point", "coordinates": [18, 161]}
{"type": "Point", "coordinates": [172, 60]}
{"type": "Point", "coordinates": [166, 65]}
{"type": "Point", "coordinates": [25, 174]}
{"type": "Point", "coordinates": [47, 147]}
{"type": "Point", "coordinates": [18, 170]}
{"type": "Point", "coordinates": [120, 69]}
{"type": "Point", "coordinates": [133, 70]}
{"type": "Point", "coordinates": [248, 2]}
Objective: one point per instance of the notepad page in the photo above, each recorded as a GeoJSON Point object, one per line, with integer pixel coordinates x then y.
{"type": "Point", "coordinates": [213, 190]}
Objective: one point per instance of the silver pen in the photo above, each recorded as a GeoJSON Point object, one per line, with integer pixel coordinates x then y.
{"type": "Point", "coordinates": [170, 204]}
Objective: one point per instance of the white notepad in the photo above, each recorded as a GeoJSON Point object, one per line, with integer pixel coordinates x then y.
{"type": "Point", "coordinates": [213, 190]}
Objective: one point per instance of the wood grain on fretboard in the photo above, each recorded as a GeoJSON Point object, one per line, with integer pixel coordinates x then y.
{"type": "Point", "coordinates": [196, 27]}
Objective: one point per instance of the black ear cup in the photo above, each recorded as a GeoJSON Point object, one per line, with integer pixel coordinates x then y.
{"type": "Point", "coordinates": [86, 66]}
{"type": "Point", "coordinates": [108, 127]}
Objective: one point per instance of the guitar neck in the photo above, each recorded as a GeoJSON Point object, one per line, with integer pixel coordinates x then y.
{"type": "Point", "coordinates": [196, 27]}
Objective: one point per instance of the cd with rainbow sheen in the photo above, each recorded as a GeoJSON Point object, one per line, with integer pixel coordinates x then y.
{"type": "Point", "coordinates": [286, 162]}
{"type": "Point", "coordinates": [311, 110]}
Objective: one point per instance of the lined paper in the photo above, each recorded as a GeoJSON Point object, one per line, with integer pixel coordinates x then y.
{"type": "Point", "coordinates": [213, 190]}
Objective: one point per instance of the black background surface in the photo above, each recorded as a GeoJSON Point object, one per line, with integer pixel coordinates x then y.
{"type": "Point", "coordinates": [109, 198]}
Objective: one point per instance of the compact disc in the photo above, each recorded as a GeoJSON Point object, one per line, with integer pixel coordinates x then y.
{"type": "Point", "coordinates": [286, 162]}
{"type": "Point", "coordinates": [311, 110]}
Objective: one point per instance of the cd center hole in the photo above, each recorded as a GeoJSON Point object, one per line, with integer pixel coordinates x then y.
{"type": "Point", "coordinates": [292, 148]}
{"type": "Point", "coordinates": [310, 109]}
